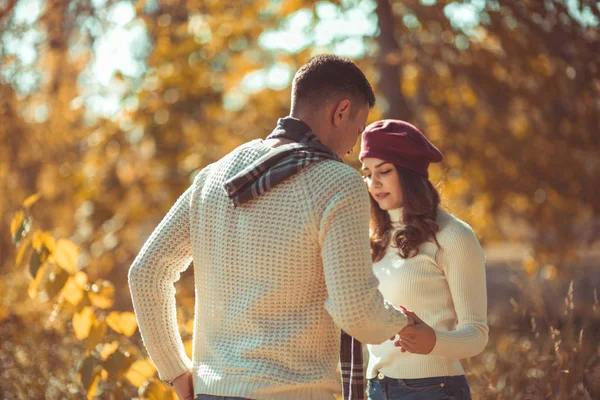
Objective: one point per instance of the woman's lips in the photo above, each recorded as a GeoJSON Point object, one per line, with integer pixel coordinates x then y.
{"type": "Point", "coordinates": [381, 196]}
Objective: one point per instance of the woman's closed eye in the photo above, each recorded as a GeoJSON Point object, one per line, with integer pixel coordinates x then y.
{"type": "Point", "coordinates": [368, 176]}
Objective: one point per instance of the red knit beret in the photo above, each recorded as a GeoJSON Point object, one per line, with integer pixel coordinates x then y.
{"type": "Point", "coordinates": [399, 143]}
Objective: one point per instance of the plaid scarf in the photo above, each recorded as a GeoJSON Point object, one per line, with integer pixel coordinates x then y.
{"type": "Point", "coordinates": [280, 163]}
{"type": "Point", "coordinates": [273, 168]}
{"type": "Point", "coordinates": [351, 363]}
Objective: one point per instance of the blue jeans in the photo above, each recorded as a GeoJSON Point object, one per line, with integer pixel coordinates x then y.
{"type": "Point", "coordinates": [438, 388]}
{"type": "Point", "coordinates": [211, 397]}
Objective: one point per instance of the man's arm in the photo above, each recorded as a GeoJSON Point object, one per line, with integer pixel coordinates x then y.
{"type": "Point", "coordinates": [163, 257]}
{"type": "Point", "coordinates": [354, 300]}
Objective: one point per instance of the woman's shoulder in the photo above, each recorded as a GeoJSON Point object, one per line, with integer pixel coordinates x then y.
{"type": "Point", "coordinates": [453, 229]}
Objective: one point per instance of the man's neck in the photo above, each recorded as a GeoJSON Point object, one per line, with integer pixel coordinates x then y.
{"type": "Point", "coordinates": [312, 121]}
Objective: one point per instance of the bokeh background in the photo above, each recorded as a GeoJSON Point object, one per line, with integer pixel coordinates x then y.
{"type": "Point", "coordinates": [108, 108]}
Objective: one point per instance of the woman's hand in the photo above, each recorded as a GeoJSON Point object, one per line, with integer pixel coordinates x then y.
{"type": "Point", "coordinates": [409, 322]}
{"type": "Point", "coordinates": [418, 338]}
{"type": "Point", "coordinates": [184, 386]}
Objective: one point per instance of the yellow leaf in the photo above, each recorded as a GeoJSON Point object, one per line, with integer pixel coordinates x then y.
{"type": "Point", "coordinates": [155, 390]}
{"type": "Point", "coordinates": [73, 290]}
{"type": "Point", "coordinates": [124, 322]}
{"type": "Point", "coordinates": [48, 281]}
{"type": "Point", "coordinates": [93, 388]}
{"type": "Point", "coordinates": [108, 349]}
{"type": "Point", "coordinates": [102, 294]}
{"type": "Point", "coordinates": [35, 283]}
{"type": "Point", "coordinates": [88, 374]}
{"type": "Point", "coordinates": [43, 239]}
{"type": "Point", "coordinates": [31, 200]}
{"type": "Point", "coordinates": [82, 322]}
{"type": "Point", "coordinates": [140, 371]}
{"type": "Point", "coordinates": [97, 333]}
{"type": "Point", "coordinates": [22, 249]}
{"type": "Point", "coordinates": [66, 254]}
{"type": "Point", "coordinates": [16, 222]}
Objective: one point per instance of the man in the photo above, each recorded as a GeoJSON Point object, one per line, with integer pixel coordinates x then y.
{"type": "Point", "coordinates": [278, 232]}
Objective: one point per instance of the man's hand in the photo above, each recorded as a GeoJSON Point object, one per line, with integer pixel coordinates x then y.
{"type": "Point", "coordinates": [418, 338]}
{"type": "Point", "coordinates": [409, 323]}
{"type": "Point", "coordinates": [184, 386]}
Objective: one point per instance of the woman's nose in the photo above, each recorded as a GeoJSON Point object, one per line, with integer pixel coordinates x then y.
{"type": "Point", "coordinates": [375, 183]}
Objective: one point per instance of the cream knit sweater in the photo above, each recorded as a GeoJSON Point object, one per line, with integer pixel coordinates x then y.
{"type": "Point", "coordinates": [446, 288]}
{"type": "Point", "coordinates": [275, 280]}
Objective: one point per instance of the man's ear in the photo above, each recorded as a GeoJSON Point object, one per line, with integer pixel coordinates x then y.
{"type": "Point", "coordinates": [341, 112]}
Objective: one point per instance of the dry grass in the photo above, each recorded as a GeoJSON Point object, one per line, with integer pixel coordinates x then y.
{"type": "Point", "coordinates": [547, 347]}
{"type": "Point", "coordinates": [541, 347]}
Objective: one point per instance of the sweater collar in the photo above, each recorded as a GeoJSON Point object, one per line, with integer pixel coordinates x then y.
{"type": "Point", "coordinates": [396, 216]}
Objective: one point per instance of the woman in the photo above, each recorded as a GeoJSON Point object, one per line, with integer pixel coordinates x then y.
{"type": "Point", "coordinates": [427, 261]}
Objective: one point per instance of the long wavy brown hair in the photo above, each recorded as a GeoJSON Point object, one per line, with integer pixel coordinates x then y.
{"type": "Point", "coordinates": [420, 205]}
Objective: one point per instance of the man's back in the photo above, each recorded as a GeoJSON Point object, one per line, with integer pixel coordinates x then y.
{"type": "Point", "coordinates": [275, 279]}
{"type": "Point", "coordinates": [261, 316]}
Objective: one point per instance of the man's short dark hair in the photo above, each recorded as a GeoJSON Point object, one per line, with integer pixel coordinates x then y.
{"type": "Point", "coordinates": [326, 76]}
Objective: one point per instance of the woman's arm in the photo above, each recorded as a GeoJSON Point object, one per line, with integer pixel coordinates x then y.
{"type": "Point", "coordinates": [463, 262]}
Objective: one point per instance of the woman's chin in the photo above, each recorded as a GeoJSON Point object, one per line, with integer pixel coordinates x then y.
{"type": "Point", "coordinates": [384, 206]}
{"type": "Point", "coordinates": [387, 206]}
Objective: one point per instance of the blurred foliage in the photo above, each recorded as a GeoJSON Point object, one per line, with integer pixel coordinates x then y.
{"type": "Point", "coordinates": [108, 363]}
{"type": "Point", "coordinates": [513, 102]}
{"type": "Point", "coordinates": [511, 95]}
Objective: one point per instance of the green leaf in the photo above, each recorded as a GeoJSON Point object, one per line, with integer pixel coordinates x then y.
{"type": "Point", "coordinates": [19, 227]}
{"type": "Point", "coordinates": [89, 369]}
{"type": "Point", "coordinates": [35, 262]}
{"type": "Point", "coordinates": [49, 279]}
{"type": "Point", "coordinates": [37, 259]}
{"type": "Point", "coordinates": [118, 363]}
{"type": "Point", "coordinates": [56, 280]}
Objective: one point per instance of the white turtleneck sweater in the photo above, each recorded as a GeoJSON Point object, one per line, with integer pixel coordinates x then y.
{"type": "Point", "coordinates": [446, 288]}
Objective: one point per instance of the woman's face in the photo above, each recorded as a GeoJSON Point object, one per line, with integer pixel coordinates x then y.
{"type": "Point", "coordinates": [383, 182]}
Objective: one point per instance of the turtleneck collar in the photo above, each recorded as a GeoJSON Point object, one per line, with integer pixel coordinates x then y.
{"type": "Point", "coordinates": [396, 217]}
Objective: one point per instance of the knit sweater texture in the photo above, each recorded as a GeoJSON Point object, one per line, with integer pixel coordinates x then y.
{"type": "Point", "coordinates": [275, 281]}
{"type": "Point", "coordinates": [446, 288]}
